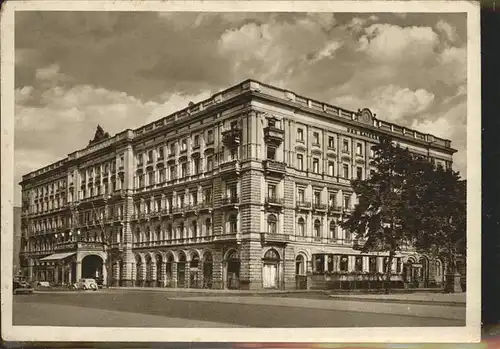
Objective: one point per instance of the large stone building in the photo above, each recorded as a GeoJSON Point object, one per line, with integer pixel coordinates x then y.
{"type": "Point", "coordinates": [243, 190]}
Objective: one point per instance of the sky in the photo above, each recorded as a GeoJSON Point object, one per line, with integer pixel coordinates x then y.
{"type": "Point", "coordinates": [74, 70]}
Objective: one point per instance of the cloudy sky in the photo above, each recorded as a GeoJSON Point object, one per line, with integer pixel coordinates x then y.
{"type": "Point", "coordinates": [121, 70]}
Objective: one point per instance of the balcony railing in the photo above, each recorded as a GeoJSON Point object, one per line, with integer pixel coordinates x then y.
{"type": "Point", "coordinates": [273, 135]}
{"type": "Point", "coordinates": [274, 201]}
{"type": "Point", "coordinates": [303, 205]}
{"type": "Point", "coordinates": [231, 167]}
{"type": "Point", "coordinates": [335, 208]}
{"type": "Point", "coordinates": [319, 206]}
{"type": "Point", "coordinates": [270, 237]}
{"type": "Point", "coordinates": [74, 245]}
{"type": "Point", "coordinates": [230, 200]}
{"type": "Point", "coordinates": [274, 166]}
{"type": "Point", "coordinates": [232, 137]}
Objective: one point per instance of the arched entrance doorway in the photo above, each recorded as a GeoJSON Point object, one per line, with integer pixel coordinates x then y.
{"type": "Point", "coordinates": [150, 272]}
{"type": "Point", "coordinates": [92, 267]}
{"type": "Point", "coordinates": [207, 270]}
{"type": "Point", "coordinates": [270, 269]}
{"type": "Point", "coordinates": [194, 270]}
{"type": "Point", "coordinates": [233, 270]}
{"type": "Point", "coordinates": [181, 270]}
{"type": "Point", "coordinates": [300, 273]}
{"type": "Point", "coordinates": [139, 272]}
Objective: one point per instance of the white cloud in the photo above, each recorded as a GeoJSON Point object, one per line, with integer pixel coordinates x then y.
{"type": "Point", "coordinates": [390, 102]}
{"type": "Point", "coordinates": [388, 42]}
{"type": "Point", "coordinates": [48, 73]}
{"type": "Point", "coordinates": [448, 30]}
{"type": "Point", "coordinates": [328, 50]}
{"type": "Point", "coordinates": [23, 94]}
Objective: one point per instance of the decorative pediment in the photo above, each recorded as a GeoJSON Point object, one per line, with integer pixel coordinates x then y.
{"type": "Point", "coordinates": [99, 135]}
{"type": "Point", "coordinates": [365, 116]}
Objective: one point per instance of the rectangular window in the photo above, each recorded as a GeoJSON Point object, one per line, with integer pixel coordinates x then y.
{"type": "Point", "coordinates": [300, 135]}
{"type": "Point", "coordinates": [139, 161]}
{"type": "Point", "coordinates": [359, 173]}
{"type": "Point", "coordinates": [150, 156]}
{"type": "Point", "coordinates": [196, 165]}
{"type": "Point", "coordinates": [184, 145]}
{"type": "Point", "coordinates": [316, 138]}
{"type": "Point", "coordinates": [359, 263]}
{"type": "Point", "coordinates": [331, 168]}
{"type": "Point", "coordinates": [172, 149]}
{"type": "Point", "coordinates": [300, 162]}
{"type": "Point", "coordinates": [331, 199]}
{"type": "Point", "coordinates": [162, 175]}
{"type": "Point", "coordinates": [196, 142]}
{"type": "Point", "coordinates": [210, 137]}
{"type": "Point", "coordinates": [317, 197]}
{"type": "Point", "coordinates": [208, 195]}
{"type": "Point", "coordinates": [172, 172]}
{"type": "Point", "coordinates": [301, 195]}
{"type": "Point", "coordinates": [183, 170]}
{"type": "Point", "coordinates": [151, 178]}
{"type": "Point", "coordinates": [316, 165]}
{"type": "Point", "coordinates": [160, 153]}
{"type": "Point", "coordinates": [194, 197]}
{"type": "Point", "coordinates": [210, 163]}
{"type": "Point", "coordinates": [372, 152]}
{"type": "Point", "coordinates": [346, 146]}
{"type": "Point", "coordinates": [359, 149]}
{"type": "Point", "coordinates": [331, 142]}
{"type": "Point", "coordinates": [347, 202]}
{"type": "Point", "coordinates": [345, 169]}
{"type": "Point", "coordinates": [271, 153]}
{"type": "Point", "coordinates": [372, 264]}
{"type": "Point", "coordinates": [271, 191]}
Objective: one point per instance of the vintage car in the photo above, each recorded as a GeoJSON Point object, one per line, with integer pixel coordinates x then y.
{"type": "Point", "coordinates": [87, 284]}
{"type": "Point", "coordinates": [21, 286]}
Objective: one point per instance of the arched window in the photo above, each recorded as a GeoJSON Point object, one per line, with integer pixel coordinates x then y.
{"type": "Point", "coordinates": [333, 233]}
{"type": "Point", "coordinates": [317, 228]}
{"type": "Point", "coordinates": [272, 254]}
{"type": "Point", "coordinates": [438, 268]}
{"type": "Point", "coordinates": [158, 233]}
{"type": "Point", "coordinates": [302, 226]}
{"type": "Point", "coordinates": [272, 224]}
{"type": "Point", "coordinates": [299, 265]}
{"type": "Point", "coordinates": [137, 235]}
{"type": "Point", "coordinates": [194, 228]}
{"type": "Point", "coordinates": [233, 256]}
{"type": "Point", "coordinates": [181, 230]}
{"type": "Point", "coordinates": [169, 232]}
{"type": "Point", "coordinates": [208, 225]}
{"type": "Point", "coordinates": [233, 224]}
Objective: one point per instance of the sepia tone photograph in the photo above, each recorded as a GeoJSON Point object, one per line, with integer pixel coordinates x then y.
{"type": "Point", "coordinates": [222, 169]}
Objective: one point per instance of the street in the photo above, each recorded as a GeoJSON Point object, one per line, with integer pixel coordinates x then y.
{"type": "Point", "coordinates": [126, 308]}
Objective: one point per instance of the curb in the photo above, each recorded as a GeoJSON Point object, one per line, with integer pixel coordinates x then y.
{"type": "Point", "coordinates": [400, 301]}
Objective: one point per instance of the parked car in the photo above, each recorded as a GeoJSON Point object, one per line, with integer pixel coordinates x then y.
{"type": "Point", "coordinates": [21, 286]}
{"type": "Point", "coordinates": [100, 282]}
{"type": "Point", "coordinates": [87, 284]}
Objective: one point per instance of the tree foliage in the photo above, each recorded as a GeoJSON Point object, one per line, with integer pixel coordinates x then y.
{"type": "Point", "coordinates": [405, 201]}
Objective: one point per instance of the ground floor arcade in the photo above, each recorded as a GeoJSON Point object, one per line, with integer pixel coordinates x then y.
{"type": "Point", "coordinates": [244, 265]}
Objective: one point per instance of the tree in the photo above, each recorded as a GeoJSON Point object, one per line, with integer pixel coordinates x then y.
{"type": "Point", "coordinates": [439, 206]}
{"type": "Point", "coordinates": [379, 218]}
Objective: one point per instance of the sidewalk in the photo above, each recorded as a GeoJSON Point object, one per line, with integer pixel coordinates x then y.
{"type": "Point", "coordinates": [452, 299]}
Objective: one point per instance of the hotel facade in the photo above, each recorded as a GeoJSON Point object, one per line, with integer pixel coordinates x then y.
{"type": "Point", "coordinates": [245, 190]}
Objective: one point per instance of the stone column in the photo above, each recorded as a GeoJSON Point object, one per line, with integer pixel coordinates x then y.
{"type": "Point", "coordinates": [174, 275]}
{"type": "Point", "coordinates": [152, 275]}
{"type": "Point", "coordinates": [30, 270]}
{"type": "Point", "coordinates": [163, 273]}
{"type": "Point", "coordinates": [78, 270]}
{"type": "Point", "coordinates": [366, 263]}
{"type": "Point", "coordinates": [104, 275]}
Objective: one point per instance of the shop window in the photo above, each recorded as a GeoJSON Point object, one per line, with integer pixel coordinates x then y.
{"type": "Point", "coordinates": [344, 263]}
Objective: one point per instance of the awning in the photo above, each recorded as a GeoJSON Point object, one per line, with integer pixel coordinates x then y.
{"type": "Point", "coordinates": [57, 256]}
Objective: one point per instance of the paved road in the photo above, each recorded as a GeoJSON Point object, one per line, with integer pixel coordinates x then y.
{"type": "Point", "coordinates": [151, 309]}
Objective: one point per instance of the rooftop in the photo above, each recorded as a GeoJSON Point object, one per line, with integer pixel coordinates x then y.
{"type": "Point", "coordinates": [250, 85]}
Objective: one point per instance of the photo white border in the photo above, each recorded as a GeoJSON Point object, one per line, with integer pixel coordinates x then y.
{"type": "Point", "coordinates": [469, 333]}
